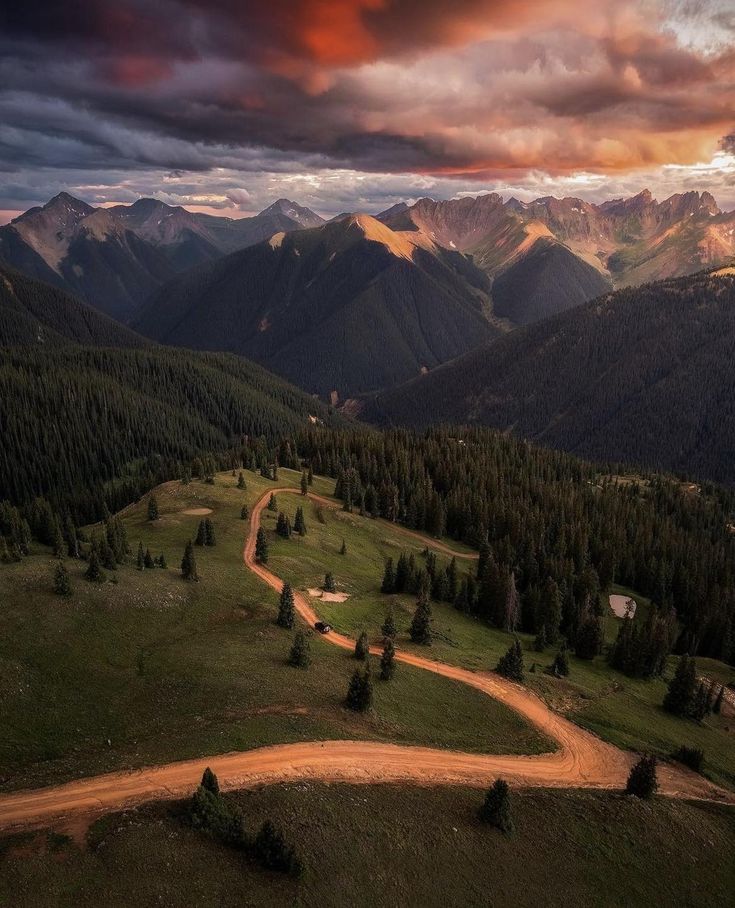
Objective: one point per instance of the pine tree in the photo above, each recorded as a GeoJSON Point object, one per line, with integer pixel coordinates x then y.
{"type": "Point", "coordinates": [389, 578]}
{"type": "Point", "coordinates": [362, 646]}
{"type": "Point", "coordinates": [511, 664]}
{"type": "Point", "coordinates": [388, 628]}
{"type": "Point", "coordinates": [679, 698]}
{"type": "Point", "coordinates": [717, 706]}
{"type": "Point", "coordinates": [283, 526]}
{"type": "Point", "coordinates": [244, 512]}
{"type": "Point", "coordinates": [201, 537]}
{"type": "Point", "coordinates": [299, 656]}
{"type": "Point", "coordinates": [560, 665]}
{"type": "Point", "coordinates": [140, 558]}
{"type": "Point", "coordinates": [57, 541]}
{"type": "Point", "coordinates": [643, 781]}
{"type": "Point", "coordinates": [310, 477]}
{"type": "Point", "coordinates": [388, 660]}
{"type": "Point", "coordinates": [272, 503]}
{"type": "Point", "coordinates": [152, 508]}
{"type": "Point", "coordinates": [210, 782]}
{"type": "Point", "coordinates": [304, 483]}
{"type": "Point", "coordinates": [589, 639]}
{"type": "Point", "coordinates": [329, 585]}
{"type": "Point", "coordinates": [420, 630]}
{"type": "Point", "coordinates": [148, 559]}
{"type": "Point", "coordinates": [241, 484]}
{"type": "Point", "coordinates": [299, 524]}
{"type": "Point", "coordinates": [360, 690]}
{"type": "Point", "coordinates": [261, 547]}
{"type": "Point", "coordinates": [94, 572]}
{"type": "Point", "coordinates": [286, 610]}
{"type": "Point", "coordinates": [699, 709]}
{"type": "Point", "coordinates": [72, 540]}
{"type": "Point", "coordinates": [496, 808]}
{"type": "Point", "coordinates": [343, 548]}
{"type": "Point", "coordinates": [209, 535]}
{"type": "Point", "coordinates": [62, 583]}
{"type": "Point", "coordinates": [162, 561]}
{"type": "Point", "coordinates": [401, 578]}
{"type": "Point", "coordinates": [540, 642]}
{"type": "Point", "coordinates": [188, 563]}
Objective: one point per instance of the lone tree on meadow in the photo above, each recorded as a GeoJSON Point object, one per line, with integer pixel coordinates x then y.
{"type": "Point", "coordinates": [152, 508]}
{"type": "Point", "coordinates": [420, 630]}
{"type": "Point", "coordinates": [188, 563]}
{"type": "Point", "coordinates": [511, 664]}
{"type": "Point", "coordinates": [679, 698]}
{"type": "Point", "coordinates": [261, 547]}
{"type": "Point", "coordinates": [94, 572]}
{"type": "Point", "coordinates": [209, 536]}
{"type": "Point", "coordinates": [362, 647]}
{"type": "Point", "coordinates": [272, 503]}
{"type": "Point", "coordinates": [299, 656]}
{"type": "Point", "coordinates": [241, 484]}
{"type": "Point", "coordinates": [62, 583]}
{"type": "Point", "coordinates": [560, 665]}
{"type": "Point", "coordinates": [388, 661]}
{"type": "Point", "coordinates": [360, 691]}
{"type": "Point", "coordinates": [148, 559]}
{"type": "Point", "coordinates": [329, 585]}
{"type": "Point", "coordinates": [286, 611]}
{"type": "Point", "coordinates": [496, 809]}
{"type": "Point", "coordinates": [304, 483]}
{"type": "Point", "coordinates": [643, 781]}
{"type": "Point", "coordinates": [389, 578]}
{"type": "Point", "coordinates": [299, 524]}
{"type": "Point", "coordinates": [343, 548]}
{"type": "Point", "coordinates": [244, 512]}
{"type": "Point", "coordinates": [388, 628]}
{"type": "Point", "coordinates": [201, 537]}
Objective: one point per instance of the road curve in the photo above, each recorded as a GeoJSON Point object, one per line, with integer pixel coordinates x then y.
{"type": "Point", "coordinates": [581, 760]}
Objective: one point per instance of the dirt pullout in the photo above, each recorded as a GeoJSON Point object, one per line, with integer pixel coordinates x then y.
{"type": "Point", "coordinates": [581, 761]}
{"type": "Point", "coordinates": [324, 596]}
{"type": "Point", "coordinates": [196, 512]}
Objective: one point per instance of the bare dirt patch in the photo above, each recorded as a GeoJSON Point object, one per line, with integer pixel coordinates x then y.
{"type": "Point", "coordinates": [197, 512]}
{"type": "Point", "coordinates": [316, 593]}
{"type": "Point", "coordinates": [623, 606]}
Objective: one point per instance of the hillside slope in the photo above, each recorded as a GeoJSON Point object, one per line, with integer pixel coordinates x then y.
{"type": "Point", "coordinates": [642, 375]}
{"type": "Point", "coordinates": [348, 307]}
{"type": "Point", "coordinates": [34, 313]}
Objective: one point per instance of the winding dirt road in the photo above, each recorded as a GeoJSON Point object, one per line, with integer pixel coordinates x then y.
{"type": "Point", "coordinates": [582, 760]}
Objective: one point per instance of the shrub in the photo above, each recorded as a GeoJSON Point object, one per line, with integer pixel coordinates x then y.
{"type": "Point", "coordinates": [643, 781]}
{"type": "Point", "coordinates": [693, 757]}
{"type": "Point", "coordinates": [496, 809]}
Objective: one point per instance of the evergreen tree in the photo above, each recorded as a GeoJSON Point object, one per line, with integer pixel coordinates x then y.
{"type": "Point", "coordinates": [209, 536]}
{"type": "Point", "coordinates": [148, 559]}
{"type": "Point", "coordinates": [72, 540]}
{"type": "Point", "coordinates": [162, 561]}
{"type": "Point", "coordinates": [299, 656]}
{"type": "Point", "coordinates": [299, 524]}
{"type": "Point", "coordinates": [152, 508]}
{"type": "Point", "coordinates": [310, 477]}
{"type": "Point", "coordinates": [140, 558]}
{"type": "Point", "coordinates": [283, 526]}
{"type": "Point", "coordinates": [420, 630]}
{"type": "Point", "coordinates": [304, 483]}
{"type": "Point", "coordinates": [94, 572]}
{"type": "Point", "coordinates": [62, 583]}
{"type": "Point", "coordinates": [261, 547]}
{"type": "Point", "coordinates": [496, 808]}
{"type": "Point", "coordinates": [286, 610]}
{"type": "Point", "coordinates": [717, 706]}
{"type": "Point", "coordinates": [241, 484]}
{"type": "Point", "coordinates": [560, 665]}
{"type": "Point", "coordinates": [58, 544]}
{"type": "Point", "coordinates": [389, 578]}
{"type": "Point", "coordinates": [679, 698]}
{"type": "Point", "coordinates": [362, 646]}
{"type": "Point", "coordinates": [107, 555]}
{"type": "Point", "coordinates": [329, 585]}
{"type": "Point", "coordinates": [272, 503]}
{"type": "Point", "coordinates": [343, 548]}
{"type": "Point", "coordinates": [388, 628]}
{"type": "Point", "coordinates": [244, 512]}
{"type": "Point", "coordinates": [643, 781]}
{"type": "Point", "coordinates": [511, 664]}
{"type": "Point", "coordinates": [188, 563]}
{"type": "Point", "coordinates": [401, 578]}
{"type": "Point", "coordinates": [388, 660]}
{"type": "Point", "coordinates": [589, 639]}
{"type": "Point", "coordinates": [540, 642]}
{"type": "Point", "coordinates": [551, 611]}
{"type": "Point", "coordinates": [699, 709]}
{"type": "Point", "coordinates": [360, 690]}
{"type": "Point", "coordinates": [209, 781]}
{"type": "Point", "coordinates": [201, 537]}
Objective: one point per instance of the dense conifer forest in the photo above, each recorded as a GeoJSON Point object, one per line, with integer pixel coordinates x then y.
{"type": "Point", "coordinates": [553, 529]}
{"type": "Point", "coordinates": [92, 429]}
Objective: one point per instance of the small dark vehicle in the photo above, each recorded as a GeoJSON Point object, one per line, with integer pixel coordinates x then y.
{"type": "Point", "coordinates": [323, 627]}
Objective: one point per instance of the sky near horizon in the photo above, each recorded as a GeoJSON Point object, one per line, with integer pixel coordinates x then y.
{"type": "Point", "coordinates": [226, 105]}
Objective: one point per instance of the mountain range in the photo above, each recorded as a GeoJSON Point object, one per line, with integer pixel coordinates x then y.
{"type": "Point", "coordinates": [115, 258]}
{"type": "Point", "coordinates": [641, 375]}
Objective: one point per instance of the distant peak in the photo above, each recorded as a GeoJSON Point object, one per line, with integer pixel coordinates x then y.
{"type": "Point", "coordinates": [65, 200]}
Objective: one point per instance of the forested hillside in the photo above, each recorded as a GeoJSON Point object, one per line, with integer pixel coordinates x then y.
{"type": "Point", "coordinates": [91, 429]}
{"type": "Point", "coordinates": [644, 375]}
{"type": "Point", "coordinates": [38, 314]}
{"type": "Point", "coordinates": [556, 530]}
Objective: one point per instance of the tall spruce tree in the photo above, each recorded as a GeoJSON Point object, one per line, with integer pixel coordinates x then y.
{"type": "Point", "coordinates": [188, 563]}
{"type": "Point", "coordinates": [62, 583]}
{"type": "Point", "coordinates": [389, 578]}
{"type": "Point", "coordinates": [362, 646]}
{"type": "Point", "coordinates": [679, 698]}
{"type": "Point", "coordinates": [420, 630]}
{"type": "Point", "coordinates": [261, 547]}
{"type": "Point", "coordinates": [388, 628]}
{"type": "Point", "coordinates": [643, 781]}
{"type": "Point", "coordinates": [496, 808]}
{"type": "Point", "coordinates": [152, 508]}
{"type": "Point", "coordinates": [286, 610]}
{"type": "Point", "coordinates": [511, 664]}
{"type": "Point", "coordinates": [201, 537]}
{"type": "Point", "coordinates": [94, 572]}
{"type": "Point", "coordinates": [299, 655]}
{"type": "Point", "coordinates": [388, 660]}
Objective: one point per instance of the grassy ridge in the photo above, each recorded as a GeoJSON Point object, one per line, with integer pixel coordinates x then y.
{"type": "Point", "coordinates": [153, 669]}
{"type": "Point", "coordinates": [622, 710]}
{"type": "Point", "coordinates": [387, 845]}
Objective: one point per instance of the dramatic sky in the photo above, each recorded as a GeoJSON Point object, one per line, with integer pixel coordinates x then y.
{"type": "Point", "coordinates": [353, 104]}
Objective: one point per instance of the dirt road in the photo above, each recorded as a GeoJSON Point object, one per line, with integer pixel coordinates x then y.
{"type": "Point", "coordinates": [581, 761]}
